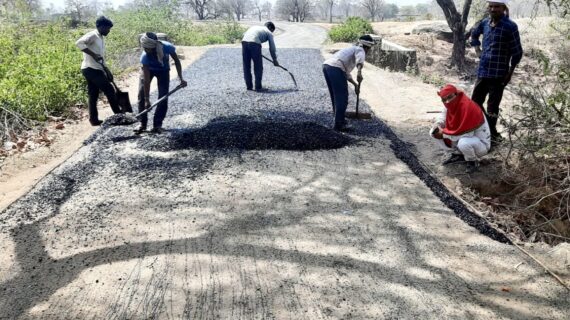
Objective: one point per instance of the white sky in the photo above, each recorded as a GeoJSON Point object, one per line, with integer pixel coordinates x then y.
{"type": "Point", "coordinates": [60, 4]}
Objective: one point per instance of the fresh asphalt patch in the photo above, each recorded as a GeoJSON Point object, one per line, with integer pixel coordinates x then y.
{"type": "Point", "coordinates": [215, 118]}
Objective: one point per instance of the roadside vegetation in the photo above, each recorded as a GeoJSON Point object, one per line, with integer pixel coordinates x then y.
{"type": "Point", "coordinates": [39, 63]}
{"type": "Point", "coordinates": [350, 30]}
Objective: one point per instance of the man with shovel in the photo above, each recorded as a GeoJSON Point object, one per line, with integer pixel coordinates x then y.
{"type": "Point", "coordinates": [337, 71]}
{"type": "Point", "coordinates": [156, 64]}
{"type": "Point", "coordinates": [92, 68]}
{"type": "Point", "coordinates": [251, 50]}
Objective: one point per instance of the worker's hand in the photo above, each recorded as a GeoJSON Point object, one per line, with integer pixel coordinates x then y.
{"type": "Point", "coordinates": [146, 103]}
{"type": "Point", "coordinates": [478, 51]}
{"type": "Point", "coordinates": [507, 78]}
{"type": "Point", "coordinates": [359, 76]}
{"type": "Point", "coordinates": [183, 83]}
{"type": "Point", "coordinates": [276, 63]}
{"type": "Point", "coordinates": [98, 58]}
{"type": "Point", "coordinates": [437, 133]}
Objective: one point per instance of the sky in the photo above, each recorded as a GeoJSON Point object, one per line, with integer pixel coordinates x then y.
{"type": "Point", "coordinates": [60, 4]}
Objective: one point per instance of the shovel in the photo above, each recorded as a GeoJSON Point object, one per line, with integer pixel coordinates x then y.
{"type": "Point", "coordinates": [122, 97]}
{"type": "Point", "coordinates": [357, 115]}
{"type": "Point", "coordinates": [127, 119]}
{"type": "Point", "coordinates": [292, 76]}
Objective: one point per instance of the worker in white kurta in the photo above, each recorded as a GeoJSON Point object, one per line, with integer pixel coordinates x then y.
{"type": "Point", "coordinates": [462, 129]}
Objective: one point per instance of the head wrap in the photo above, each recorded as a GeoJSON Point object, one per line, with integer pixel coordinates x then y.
{"type": "Point", "coordinates": [505, 2]}
{"type": "Point", "coordinates": [463, 114]}
{"type": "Point", "coordinates": [366, 40]}
{"type": "Point", "coordinates": [103, 21]}
{"type": "Point", "coordinates": [149, 40]}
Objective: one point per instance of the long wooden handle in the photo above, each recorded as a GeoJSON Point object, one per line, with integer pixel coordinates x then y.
{"type": "Point", "coordinates": [159, 101]}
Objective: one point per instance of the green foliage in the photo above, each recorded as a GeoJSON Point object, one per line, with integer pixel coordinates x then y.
{"type": "Point", "coordinates": [350, 30]}
{"type": "Point", "coordinates": [40, 64]}
{"type": "Point", "coordinates": [38, 69]}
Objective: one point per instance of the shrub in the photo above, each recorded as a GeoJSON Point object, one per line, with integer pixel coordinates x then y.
{"type": "Point", "coordinates": [39, 63]}
{"type": "Point", "coordinates": [350, 30]}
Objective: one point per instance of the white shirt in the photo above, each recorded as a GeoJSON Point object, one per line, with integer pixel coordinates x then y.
{"type": "Point", "coordinates": [94, 42]}
{"type": "Point", "coordinates": [346, 59]}
{"type": "Point", "coordinates": [259, 34]}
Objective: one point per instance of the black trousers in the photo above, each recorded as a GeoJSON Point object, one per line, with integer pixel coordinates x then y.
{"type": "Point", "coordinates": [96, 82]}
{"type": "Point", "coordinates": [338, 90]}
{"type": "Point", "coordinates": [163, 82]}
{"type": "Point", "coordinates": [252, 51]}
{"type": "Point", "coordinates": [494, 88]}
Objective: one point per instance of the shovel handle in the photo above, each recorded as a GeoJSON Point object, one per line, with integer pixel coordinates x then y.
{"type": "Point", "coordinates": [280, 66]}
{"type": "Point", "coordinates": [159, 101]}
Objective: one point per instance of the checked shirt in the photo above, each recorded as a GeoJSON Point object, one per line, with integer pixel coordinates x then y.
{"type": "Point", "coordinates": [501, 47]}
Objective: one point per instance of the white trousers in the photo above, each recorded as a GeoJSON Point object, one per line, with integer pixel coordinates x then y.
{"type": "Point", "coordinates": [472, 148]}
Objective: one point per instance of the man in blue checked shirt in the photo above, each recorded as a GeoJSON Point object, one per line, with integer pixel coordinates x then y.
{"type": "Point", "coordinates": [501, 53]}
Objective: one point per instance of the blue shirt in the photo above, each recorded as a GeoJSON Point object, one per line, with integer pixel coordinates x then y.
{"type": "Point", "coordinates": [501, 47]}
{"type": "Point", "coordinates": [152, 62]}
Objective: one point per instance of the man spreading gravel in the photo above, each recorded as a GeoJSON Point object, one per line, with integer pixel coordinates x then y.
{"type": "Point", "coordinates": [251, 50]}
{"type": "Point", "coordinates": [462, 128]}
{"type": "Point", "coordinates": [93, 47]}
{"type": "Point", "coordinates": [337, 72]}
{"type": "Point", "coordinates": [155, 63]}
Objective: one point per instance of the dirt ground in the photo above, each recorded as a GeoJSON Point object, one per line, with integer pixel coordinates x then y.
{"type": "Point", "coordinates": [20, 171]}
{"type": "Point", "coordinates": [409, 104]}
{"type": "Point", "coordinates": [342, 262]}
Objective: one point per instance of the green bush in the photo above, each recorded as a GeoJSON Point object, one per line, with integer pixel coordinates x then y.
{"type": "Point", "coordinates": [40, 64]}
{"type": "Point", "coordinates": [350, 30]}
{"type": "Point", "coordinates": [39, 70]}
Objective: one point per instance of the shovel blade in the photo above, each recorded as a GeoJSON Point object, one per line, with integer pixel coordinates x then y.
{"type": "Point", "coordinates": [359, 115]}
{"type": "Point", "coordinates": [124, 101]}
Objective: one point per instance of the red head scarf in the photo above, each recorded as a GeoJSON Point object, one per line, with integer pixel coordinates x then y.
{"type": "Point", "coordinates": [463, 115]}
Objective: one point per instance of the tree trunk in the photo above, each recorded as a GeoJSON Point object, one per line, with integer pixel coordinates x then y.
{"type": "Point", "coordinates": [457, 23]}
{"type": "Point", "coordinates": [458, 51]}
{"type": "Point", "coordinates": [330, 12]}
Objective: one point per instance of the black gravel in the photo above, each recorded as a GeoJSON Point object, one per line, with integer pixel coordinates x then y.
{"type": "Point", "coordinates": [213, 121]}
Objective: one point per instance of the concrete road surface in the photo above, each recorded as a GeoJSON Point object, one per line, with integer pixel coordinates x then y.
{"type": "Point", "coordinates": [250, 207]}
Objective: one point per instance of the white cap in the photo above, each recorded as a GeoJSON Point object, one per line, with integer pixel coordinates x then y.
{"type": "Point", "coordinates": [505, 2]}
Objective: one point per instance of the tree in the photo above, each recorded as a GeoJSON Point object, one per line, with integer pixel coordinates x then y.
{"type": "Point", "coordinates": [457, 23]}
{"type": "Point", "coordinates": [296, 10]}
{"type": "Point", "coordinates": [345, 7]}
{"type": "Point", "coordinates": [422, 9]}
{"type": "Point", "coordinates": [373, 7]}
{"type": "Point", "coordinates": [266, 9]}
{"type": "Point", "coordinates": [77, 9]}
{"type": "Point", "coordinates": [200, 7]}
{"type": "Point", "coordinates": [257, 8]}
{"type": "Point", "coordinates": [390, 10]}
{"type": "Point", "coordinates": [239, 8]}
{"type": "Point", "coordinates": [331, 4]}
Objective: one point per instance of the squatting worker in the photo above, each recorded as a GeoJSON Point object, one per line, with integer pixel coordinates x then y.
{"type": "Point", "coordinates": [501, 53]}
{"type": "Point", "coordinates": [337, 71]}
{"type": "Point", "coordinates": [155, 61]}
{"type": "Point", "coordinates": [462, 129]}
{"type": "Point", "coordinates": [251, 50]}
{"type": "Point", "coordinates": [93, 47]}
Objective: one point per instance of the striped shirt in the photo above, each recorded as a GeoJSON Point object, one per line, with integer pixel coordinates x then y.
{"type": "Point", "coordinates": [259, 34]}
{"type": "Point", "coordinates": [501, 47]}
{"type": "Point", "coordinates": [346, 59]}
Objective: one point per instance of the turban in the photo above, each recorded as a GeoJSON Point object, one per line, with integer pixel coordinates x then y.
{"type": "Point", "coordinates": [150, 43]}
